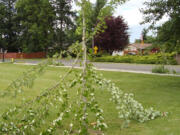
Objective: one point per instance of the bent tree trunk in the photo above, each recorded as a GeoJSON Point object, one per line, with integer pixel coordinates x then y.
{"type": "Point", "coordinates": [84, 62]}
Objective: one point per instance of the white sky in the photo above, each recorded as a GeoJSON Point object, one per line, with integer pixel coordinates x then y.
{"type": "Point", "coordinates": [133, 17]}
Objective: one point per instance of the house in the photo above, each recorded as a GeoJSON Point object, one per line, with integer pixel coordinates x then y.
{"type": "Point", "coordinates": [137, 48]}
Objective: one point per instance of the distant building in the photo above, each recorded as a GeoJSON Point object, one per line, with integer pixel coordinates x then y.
{"type": "Point", "coordinates": [135, 48]}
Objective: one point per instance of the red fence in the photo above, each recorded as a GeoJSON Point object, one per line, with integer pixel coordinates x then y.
{"type": "Point", "coordinates": [23, 55]}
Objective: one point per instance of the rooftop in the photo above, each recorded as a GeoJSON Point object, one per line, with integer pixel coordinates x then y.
{"type": "Point", "coordinates": [140, 46]}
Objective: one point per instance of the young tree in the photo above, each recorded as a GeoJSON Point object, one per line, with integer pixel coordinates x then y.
{"type": "Point", "coordinates": [37, 21]}
{"type": "Point", "coordinates": [114, 37]}
{"type": "Point", "coordinates": [32, 117]}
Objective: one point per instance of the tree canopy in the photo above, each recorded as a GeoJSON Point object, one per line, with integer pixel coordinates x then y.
{"type": "Point", "coordinates": [9, 27]}
{"type": "Point", "coordinates": [31, 25]}
{"type": "Point", "coordinates": [169, 32]}
{"type": "Point", "coordinates": [156, 9]}
{"type": "Point", "coordinates": [115, 36]}
{"type": "Point", "coordinates": [36, 19]}
{"type": "Point", "coordinates": [2, 25]}
{"type": "Point", "coordinates": [64, 22]}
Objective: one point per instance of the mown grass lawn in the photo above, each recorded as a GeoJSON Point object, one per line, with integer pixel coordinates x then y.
{"type": "Point", "coordinates": [160, 92]}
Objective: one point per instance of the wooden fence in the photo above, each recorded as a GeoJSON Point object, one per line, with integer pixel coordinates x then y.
{"type": "Point", "coordinates": [23, 55]}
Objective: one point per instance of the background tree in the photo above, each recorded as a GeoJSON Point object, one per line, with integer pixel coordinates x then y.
{"type": "Point", "coordinates": [100, 4]}
{"type": "Point", "coordinates": [2, 29]}
{"type": "Point", "coordinates": [156, 10]}
{"type": "Point", "coordinates": [144, 34]}
{"type": "Point", "coordinates": [168, 36]}
{"type": "Point", "coordinates": [2, 24]}
{"type": "Point", "coordinates": [169, 33]}
{"type": "Point", "coordinates": [146, 38]}
{"type": "Point", "coordinates": [64, 23]}
{"type": "Point", "coordinates": [37, 19]}
{"type": "Point", "coordinates": [9, 25]}
{"type": "Point", "coordinates": [100, 9]}
{"type": "Point", "coordinates": [94, 13]}
{"type": "Point", "coordinates": [114, 37]}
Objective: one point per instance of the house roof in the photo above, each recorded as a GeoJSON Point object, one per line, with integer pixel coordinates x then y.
{"type": "Point", "coordinates": [140, 46]}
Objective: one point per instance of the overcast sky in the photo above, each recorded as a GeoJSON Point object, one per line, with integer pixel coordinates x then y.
{"type": "Point", "coordinates": [133, 17]}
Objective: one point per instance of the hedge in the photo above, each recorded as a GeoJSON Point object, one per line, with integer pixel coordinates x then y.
{"type": "Point", "coordinates": [167, 58]}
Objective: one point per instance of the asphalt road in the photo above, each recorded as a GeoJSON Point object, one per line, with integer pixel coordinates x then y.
{"type": "Point", "coordinates": [113, 66]}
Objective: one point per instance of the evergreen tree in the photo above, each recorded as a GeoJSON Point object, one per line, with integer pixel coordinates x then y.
{"type": "Point", "coordinates": [37, 17]}
{"type": "Point", "coordinates": [2, 25]}
{"type": "Point", "coordinates": [9, 25]}
{"type": "Point", "coordinates": [64, 22]}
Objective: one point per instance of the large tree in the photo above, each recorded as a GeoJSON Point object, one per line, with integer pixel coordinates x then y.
{"type": "Point", "coordinates": [94, 13]}
{"type": "Point", "coordinates": [169, 32]}
{"type": "Point", "coordinates": [9, 27]}
{"type": "Point", "coordinates": [2, 25]}
{"type": "Point", "coordinates": [64, 22]}
{"type": "Point", "coordinates": [37, 17]}
{"type": "Point", "coordinates": [168, 35]}
{"type": "Point", "coordinates": [156, 9]}
{"type": "Point", "coordinates": [115, 36]}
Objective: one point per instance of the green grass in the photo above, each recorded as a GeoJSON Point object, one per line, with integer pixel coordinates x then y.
{"type": "Point", "coordinates": [160, 92]}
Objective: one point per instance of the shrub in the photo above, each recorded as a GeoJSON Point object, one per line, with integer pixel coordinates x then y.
{"type": "Point", "coordinates": [160, 69]}
{"type": "Point", "coordinates": [167, 58]}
